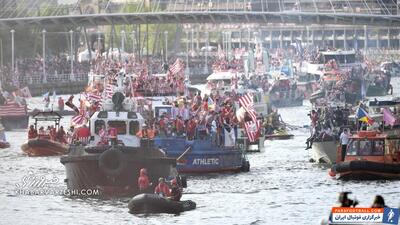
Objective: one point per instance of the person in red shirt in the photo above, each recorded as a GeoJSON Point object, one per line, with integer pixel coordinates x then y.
{"type": "Point", "coordinates": [83, 134]}
{"type": "Point", "coordinates": [60, 104]}
{"type": "Point", "coordinates": [113, 134]}
{"type": "Point", "coordinates": [191, 129]}
{"type": "Point", "coordinates": [53, 133]}
{"type": "Point", "coordinates": [32, 133]}
{"type": "Point", "coordinates": [179, 126]}
{"type": "Point", "coordinates": [162, 188]}
{"type": "Point", "coordinates": [143, 181]}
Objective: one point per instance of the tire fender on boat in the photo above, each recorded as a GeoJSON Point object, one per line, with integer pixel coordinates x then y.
{"type": "Point", "coordinates": [111, 162]}
{"type": "Point", "coordinates": [245, 166]}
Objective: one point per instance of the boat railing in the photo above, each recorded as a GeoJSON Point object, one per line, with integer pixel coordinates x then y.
{"type": "Point", "coordinates": [54, 78]}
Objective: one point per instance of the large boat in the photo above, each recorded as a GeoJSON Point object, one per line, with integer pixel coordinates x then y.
{"type": "Point", "coordinates": [113, 168]}
{"type": "Point", "coordinates": [14, 116]}
{"type": "Point", "coordinates": [44, 144]}
{"type": "Point", "coordinates": [284, 93]}
{"type": "Point", "coordinates": [370, 155]}
{"type": "Point", "coordinates": [201, 156]}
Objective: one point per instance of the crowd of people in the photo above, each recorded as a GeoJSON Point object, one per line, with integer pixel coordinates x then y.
{"type": "Point", "coordinates": [30, 70]}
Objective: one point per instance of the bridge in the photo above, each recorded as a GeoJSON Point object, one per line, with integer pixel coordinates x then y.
{"type": "Point", "coordinates": [45, 13]}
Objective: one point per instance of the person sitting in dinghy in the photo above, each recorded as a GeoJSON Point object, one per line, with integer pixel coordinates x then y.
{"type": "Point", "coordinates": [32, 133]}
{"type": "Point", "coordinates": [162, 188]}
{"type": "Point", "coordinates": [176, 191]}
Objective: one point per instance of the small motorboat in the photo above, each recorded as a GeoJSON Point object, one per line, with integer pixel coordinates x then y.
{"type": "Point", "coordinates": [152, 203]}
{"type": "Point", "coordinates": [279, 134]}
{"type": "Point", "coordinates": [42, 145]}
{"type": "Point", "coordinates": [4, 144]}
{"type": "Point", "coordinates": [370, 155]}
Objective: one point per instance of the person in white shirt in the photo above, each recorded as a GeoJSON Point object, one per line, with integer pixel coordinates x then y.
{"type": "Point", "coordinates": [344, 140]}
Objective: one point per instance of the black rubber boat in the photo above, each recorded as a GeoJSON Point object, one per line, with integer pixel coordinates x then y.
{"type": "Point", "coordinates": [367, 170]}
{"type": "Point", "coordinates": [152, 203]}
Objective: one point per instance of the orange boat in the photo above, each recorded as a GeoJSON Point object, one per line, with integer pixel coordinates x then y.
{"type": "Point", "coordinates": [370, 155]}
{"type": "Point", "coordinates": [43, 145]}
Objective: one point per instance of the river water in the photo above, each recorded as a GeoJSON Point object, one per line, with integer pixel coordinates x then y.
{"type": "Point", "coordinates": [281, 188]}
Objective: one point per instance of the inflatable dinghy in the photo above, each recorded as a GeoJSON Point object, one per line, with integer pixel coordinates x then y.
{"type": "Point", "coordinates": [152, 203]}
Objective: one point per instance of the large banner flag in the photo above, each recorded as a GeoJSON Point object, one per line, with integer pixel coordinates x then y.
{"type": "Point", "coordinates": [247, 103]}
{"type": "Point", "coordinates": [252, 130]}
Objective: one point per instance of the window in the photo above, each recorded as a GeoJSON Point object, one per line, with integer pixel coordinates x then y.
{"type": "Point", "coordinates": [352, 148]}
{"type": "Point", "coordinates": [365, 148]}
{"type": "Point", "coordinates": [97, 125]}
{"type": "Point", "coordinates": [379, 147]}
{"type": "Point", "coordinates": [133, 127]}
{"type": "Point", "coordinates": [119, 125]}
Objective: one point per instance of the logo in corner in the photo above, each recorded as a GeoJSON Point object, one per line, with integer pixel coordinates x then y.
{"type": "Point", "coordinates": [391, 216]}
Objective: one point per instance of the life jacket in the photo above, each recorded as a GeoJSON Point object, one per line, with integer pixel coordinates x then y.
{"type": "Point", "coordinates": [143, 181]}
{"type": "Point", "coordinates": [113, 132]}
{"type": "Point", "coordinates": [163, 189]}
{"type": "Point", "coordinates": [32, 134]}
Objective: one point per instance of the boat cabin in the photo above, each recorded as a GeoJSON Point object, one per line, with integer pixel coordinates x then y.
{"type": "Point", "coordinates": [220, 82]}
{"type": "Point", "coordinates": [126, 123]}
{"type": "Point", "coordinates": [373, 146]}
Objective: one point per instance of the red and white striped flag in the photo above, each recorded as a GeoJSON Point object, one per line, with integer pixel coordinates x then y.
{"type": "Point", "coordinates": [109, 91]}
{"type": "Point", "coordinates": [252, 130]}
{"type": "Point", "coordinates": [177, 67]}
{"type": "Point", "coordinates": [92, 97]}
{"type": "Point", "coordinates": [80, 119]}
{"type": "Point", "coordinates": [247, 103]}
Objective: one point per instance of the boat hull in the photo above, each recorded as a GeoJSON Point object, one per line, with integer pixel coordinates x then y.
{"type": "Point", "coordinates": [202, 157]}
{"type": "Point", "coordinates": [87, 171]}
{"type": "Point", "coordinates": [324, 152]}
{"type": "Point", "coordinates": [287, 102]}
{"type": "Point", "coordinates": [44, 147]}
{"type": "Point", "coordinates": [279, 136]}
{"type": "Point", "coordinates": [15, 122]}
{"type": "Point", "coordinates": [152, 203]}
{"type": "Point", "coordinates": [366, 170]}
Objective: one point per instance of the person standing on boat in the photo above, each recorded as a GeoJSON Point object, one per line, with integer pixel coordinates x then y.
{"type": "Point", "coordinates": [191, 128]}
{"type": "Point", "coordinates": [60, 104]}
{"type": "Point", "coordinates": [103, 136]}
{"type": "Point", "coordinates": [162, 188]}
{"type": "Point", "coordinates": [344, 140]}
{"type": "Point", "coordinates": [143, 181]}
{"type": "Point", "coordinates": [113, 133]}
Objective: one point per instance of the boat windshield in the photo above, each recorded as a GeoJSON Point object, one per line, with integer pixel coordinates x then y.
{"type": "Point", "coordinates": [366, 148]}
{"type": "Point", "coordinates": [119, 125]}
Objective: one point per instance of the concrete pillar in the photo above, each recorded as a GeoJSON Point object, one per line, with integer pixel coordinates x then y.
{"type": "Point", "coordinates": [312, 37]}
{"type": "Point", "coordinates": [355, 39]}
{"type": "Point", "coordinates": [344, 38]}
{"type": "Point", "coordinates": [280, 39]}
{"type": "Point", "coordinates": [365, 38]}
{"type": "Point", "coordinates": [323, 38]}
{"type": "Point", "coordinates": [388, 38]}
{"type": "Point", "coordinates": [334, 38]}
{"type": "Point", "coordinates": [378, 38]}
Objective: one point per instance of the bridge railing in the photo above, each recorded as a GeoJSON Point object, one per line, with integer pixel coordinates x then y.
{"type": "Point", "coordinates": [34, 8]}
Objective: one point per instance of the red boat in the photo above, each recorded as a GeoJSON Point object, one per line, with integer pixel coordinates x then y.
{"type": "Point", "coordinates": [370, 155]}
{"type": "Point", "coordinates": [43, 144]}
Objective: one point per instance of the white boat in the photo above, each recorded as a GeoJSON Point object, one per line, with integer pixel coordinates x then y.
{"type": "Point", "coordinates": [324, 151]}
